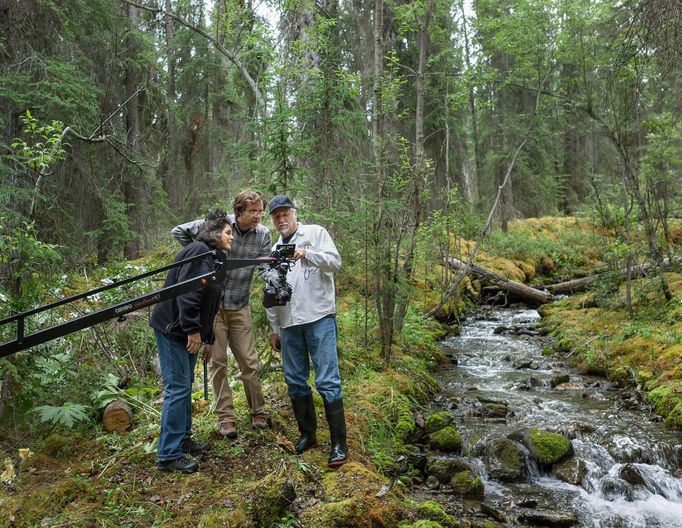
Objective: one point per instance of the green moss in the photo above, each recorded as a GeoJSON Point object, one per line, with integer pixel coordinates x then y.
{"type": "Point", "coordinates": [270, 498]}
{"type": "Point", "coordinates": [549, 448]}
{"type": "Point", "coordinates": [437, 421]}
{"type": "Point", "coordinates": [426, 524]}
{"type": "Point", "coordinates": [405, 423]}
{"type": "Point", "coordinates": [667, 400]}
{"type": "Point", "coordinates": [466, 484]}
{"type": "Point", "coordinates": [225, 519]}
{"type": "Point", "coordinates": [56, 444]}
{"type": "Point", "coordinates": [432, 511]}
{"type": "Point", "coordinates": [353, 512]}
{"type": "Point", "coordinates": [447, 439]}
{"type": "Point", "coordinates": [47, 500]}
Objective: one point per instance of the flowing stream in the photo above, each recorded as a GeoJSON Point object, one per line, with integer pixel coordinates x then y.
{"type": "Point", "coordinates": [629, 463]}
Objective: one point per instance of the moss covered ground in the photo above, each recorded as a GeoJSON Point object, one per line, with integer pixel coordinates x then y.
{"type": "Point", "coordinates": [84, 476]}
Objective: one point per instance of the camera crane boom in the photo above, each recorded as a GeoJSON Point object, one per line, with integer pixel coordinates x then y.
{"type": "Point", "coordinates": [23, 341]}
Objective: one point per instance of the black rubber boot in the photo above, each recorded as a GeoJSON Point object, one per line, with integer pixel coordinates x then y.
{"type": "Point", "coordinates": [336, 419]}
{"type": "Point", "coordinates": [304, 411]}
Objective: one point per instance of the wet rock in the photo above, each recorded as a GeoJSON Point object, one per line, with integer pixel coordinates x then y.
{"type": "Point", "coordinates": [505, 460]}
{"type": "Point", "coordinates": [417, 460]}
{"type": "Point", "coordinates": [501, 330]}
{"type": "Point", "coordinates": [495, 511]}
{"type": "Point", "coordinates": [547, 518]}
{"type": "Point", "coordinates": [492, 410]}
{"type": "Point", "coordinates": [432, 482]}
{"type": "Point", "coordinates": [437, 421]}
{"type": "Point", "coordinates": [522, 363]}
{"type": "Point", "coordinates": [545, 447]}
{"type": "Point", "coordinates": [624, 449]}
{"type": "Point", "coordinates": [557, 380]}
{"type": "Point", "coordinates": [629, 473]}
{"type": "Point", "coordinates": [447, 439]}
{"type": "Point", "coordinates": [570, 386]}
{"type": "Point", "coordinates": [467, 484]}
{"type": "Point", "coordinates": [444, 468]}
{"type": "Point", "coordinates": [527, 503]}
{"type": "Point", "coordinates": [572, 471]}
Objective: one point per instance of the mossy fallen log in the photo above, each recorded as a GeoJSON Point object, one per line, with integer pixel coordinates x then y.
{"type": "Point", "coordinates": [528, 294]}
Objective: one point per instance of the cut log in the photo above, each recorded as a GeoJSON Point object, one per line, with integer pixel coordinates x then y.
{"type": "Point", "coordinates": [526, 293]}
{"type": "Point", "coordinates": [117, 416]}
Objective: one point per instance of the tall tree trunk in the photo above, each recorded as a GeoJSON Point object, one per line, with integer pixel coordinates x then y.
{"type": "Point", "coordinates": [132, 180]}
{"type": "Point", "coordinates": [420, 175]}
{"type": "Point", "coordinates": [469, 190]}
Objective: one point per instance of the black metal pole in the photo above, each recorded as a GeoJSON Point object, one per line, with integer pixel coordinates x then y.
{"type": "Point", "coordinates": [205, 381]}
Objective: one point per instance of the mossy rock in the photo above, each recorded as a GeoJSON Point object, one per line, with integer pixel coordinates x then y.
{"type": "Point", "coordinates": [437, 421]}
{"type": "Point", "coordinates": [545, 447]}
{"type": "Point", "coordinates": [225, 519]}
{"type": "Point", "coordinates": [352, 479]}
{"type": "Point", "coordinates": [353, 512]}
{"type": "Point", "coordinates": [505, 460]}
{"type": "Point", "coordinates": [447, 439]}
{"type": "Point", "coordinates": [445, 467]}
{"type": "Point", "coordinates": [425, 523]}
{"type": "Point", "coordinates": [270, 498]}
{"type": "Point", "coordinates": [353, 503]}
{"type": "Point", "coordinates": [432, 511]}
{"type": "Point", "coordinates": [466, 484]}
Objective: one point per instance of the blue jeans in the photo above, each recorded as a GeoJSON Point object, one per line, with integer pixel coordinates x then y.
{"type": "Point", "coordinates": [177, 370]}
{"type": "Point", "coordinates": [316, 341]}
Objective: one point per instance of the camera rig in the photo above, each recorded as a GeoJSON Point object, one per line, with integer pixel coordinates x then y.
{"type": "Point", "coordinates": [221, 265]}
{"type": "Point", "coordinates": [277, 290]}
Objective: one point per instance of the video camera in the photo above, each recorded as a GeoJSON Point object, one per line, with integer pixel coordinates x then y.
{"type": "Point", "coordinates": [277, 291]}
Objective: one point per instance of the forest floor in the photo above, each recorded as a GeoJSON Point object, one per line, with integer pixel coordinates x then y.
{"type": "Point", "coordinates": [84, 476]}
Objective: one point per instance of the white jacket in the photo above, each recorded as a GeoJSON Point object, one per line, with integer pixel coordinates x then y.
{"type": "Point", "coordinates": [312, 280]}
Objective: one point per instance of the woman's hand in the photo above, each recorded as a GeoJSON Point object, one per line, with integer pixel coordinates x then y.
{"type": "Point", "coordinates": [193, 342]}
{"type": "Point", "coordinates": [207, 352]}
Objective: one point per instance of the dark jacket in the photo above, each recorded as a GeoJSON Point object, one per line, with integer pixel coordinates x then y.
{"type": "Point", "coordinates": [193, 311]}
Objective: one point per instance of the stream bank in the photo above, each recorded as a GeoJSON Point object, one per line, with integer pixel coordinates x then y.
{"type": "Point", "coordinates": [621, 468]}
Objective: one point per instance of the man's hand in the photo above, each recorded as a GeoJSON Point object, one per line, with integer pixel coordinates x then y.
{"type": "Point", "coordinates": [299, 254]}
{"type": "Point", "coordinates": [276, 342]}
{"type": "Point", "coordinates": [193, 342]}
{"type": "Point", "coordinates": [207, 352]}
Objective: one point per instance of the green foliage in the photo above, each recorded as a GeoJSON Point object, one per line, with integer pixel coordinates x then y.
{"type": "Point", "coordinates": [44, 147]}
{"type": "Point", "coordinates": [66, 415]}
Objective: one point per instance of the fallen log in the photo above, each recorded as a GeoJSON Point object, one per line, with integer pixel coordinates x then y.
{"type": "Point", "coordinates": [581, 284]}
{"type": "Point", "coordinates": [527, 293]}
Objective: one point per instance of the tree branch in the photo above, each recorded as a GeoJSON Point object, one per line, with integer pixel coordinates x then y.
{"type": "Point", "coordinates": [242, 69]}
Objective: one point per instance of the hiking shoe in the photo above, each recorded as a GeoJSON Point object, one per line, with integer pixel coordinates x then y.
{"type": "Point", "coordinates": [228, 429]}
{"type": "Point", "coordinates": [260, 421]}
{"type": "Point", "coordinates": [181, 465]}
{"type": "Point", "coordinates": [193, 448]}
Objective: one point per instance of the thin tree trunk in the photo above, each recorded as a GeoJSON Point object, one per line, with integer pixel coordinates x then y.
{"type": "Point", "coordinates": [419, 175]}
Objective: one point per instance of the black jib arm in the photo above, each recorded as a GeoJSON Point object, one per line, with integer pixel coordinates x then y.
{"type": "Point", "coordinates": [23, 341]}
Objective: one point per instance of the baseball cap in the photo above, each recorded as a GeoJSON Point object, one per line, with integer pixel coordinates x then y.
{"type": "Point", "coordinates": [279, 201]}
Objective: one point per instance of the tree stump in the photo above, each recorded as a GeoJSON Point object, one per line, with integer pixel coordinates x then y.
{"type": "Point", "coordinates": [117, 416]}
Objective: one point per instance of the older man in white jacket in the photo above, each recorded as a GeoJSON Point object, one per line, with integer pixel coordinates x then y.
{"type": "Point", "coordinates": [305, 328]}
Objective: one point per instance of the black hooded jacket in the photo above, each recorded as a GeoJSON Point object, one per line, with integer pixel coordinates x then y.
{"type": "Point", "coordinates": [193, 311]}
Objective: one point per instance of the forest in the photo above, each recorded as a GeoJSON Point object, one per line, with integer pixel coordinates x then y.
{"type": "Point", "coordinates": [541, 133]}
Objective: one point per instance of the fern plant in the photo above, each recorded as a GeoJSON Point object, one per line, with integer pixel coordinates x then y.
{"type": "Point", "coordinates": [67, 415]}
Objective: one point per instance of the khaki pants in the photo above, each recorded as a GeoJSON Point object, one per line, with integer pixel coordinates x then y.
{"type": "Point", "coordinates": [234, 328]}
